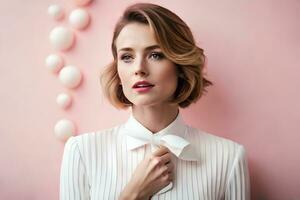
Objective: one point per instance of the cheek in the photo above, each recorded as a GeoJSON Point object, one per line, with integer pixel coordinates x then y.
{"type": "Point", "coordinates": [122, 75]}
{"type": "Point", "coordinates": [125, 81]}
{"type": "Point", "coordinates": [168, 76]}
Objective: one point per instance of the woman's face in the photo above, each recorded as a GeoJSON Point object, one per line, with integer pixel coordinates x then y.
{"type": "Point", "coordinates": [141, 59]}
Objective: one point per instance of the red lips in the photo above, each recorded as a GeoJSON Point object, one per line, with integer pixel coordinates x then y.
{"type": "Point", "coordinates": [140, 84]}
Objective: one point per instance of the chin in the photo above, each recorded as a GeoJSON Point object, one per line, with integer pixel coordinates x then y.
{"type": "Point", "coordinates": [139, 101]}
{"type": "Point", "coordinates": [147, 102]}
{"type": "Point", "coordinates": [143, 103]}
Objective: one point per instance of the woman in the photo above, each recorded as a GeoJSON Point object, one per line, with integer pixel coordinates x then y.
{"type": "Point", "coordinates": [157, 69]}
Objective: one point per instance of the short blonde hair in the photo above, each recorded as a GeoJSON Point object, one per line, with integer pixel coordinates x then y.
{"type": "Point", "coordinates": [178, 45]}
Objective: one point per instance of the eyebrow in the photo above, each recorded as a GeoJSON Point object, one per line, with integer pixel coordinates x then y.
{"type": "Point", "coordinates": [147, 48]}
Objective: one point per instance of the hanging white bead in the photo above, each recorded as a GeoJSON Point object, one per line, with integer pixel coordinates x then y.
{"type": "Point", "coordinates": [70, 76]}
{"type": "Point", "coordinates": [79, 18]}
{"type": "Point", "coordinates": [63, 100]}
{"type": "Point", "coordinates": [54, 63]}
{"type": "Point", "coordinates": [55, 11]}
{"type": "Point", "coordinates": [64, 129]}
{"type": "Point", "coordinates": [61, 38]}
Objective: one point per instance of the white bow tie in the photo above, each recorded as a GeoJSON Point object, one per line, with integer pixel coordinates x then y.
{"type": "Point", "coordinates": [171, 137]}
{"type": "Point", "coordinates": [173, 142]}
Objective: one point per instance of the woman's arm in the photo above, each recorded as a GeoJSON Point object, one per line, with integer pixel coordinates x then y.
{"type": "Point", "coordinates": [130, 193]}
{"type": "Point", "coordinates": [73, 179]}
{"type": "Point", "coordinates": [238, 187]}
{"type": "Point", "coordinates": [152, 174]}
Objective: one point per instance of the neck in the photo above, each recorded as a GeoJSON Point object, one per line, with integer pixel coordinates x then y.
{"type": "Point", "coordinates": [155, 118]}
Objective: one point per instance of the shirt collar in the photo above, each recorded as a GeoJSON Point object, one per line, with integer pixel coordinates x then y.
{"type": "Point", "coordinates": [136, 134]}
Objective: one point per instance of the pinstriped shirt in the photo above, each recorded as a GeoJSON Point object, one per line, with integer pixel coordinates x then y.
{"type": "Point", "coordinates": [98, 165]}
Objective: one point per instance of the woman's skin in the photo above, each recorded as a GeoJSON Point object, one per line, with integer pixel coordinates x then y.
{"type": "Point", "coordinates": [140, 58]}
{"type": "Point", "coordinates": [151, 175]}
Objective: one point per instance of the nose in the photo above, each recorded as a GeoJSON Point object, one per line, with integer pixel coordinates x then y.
{"type": "Point", "coordinates": [141, 67]}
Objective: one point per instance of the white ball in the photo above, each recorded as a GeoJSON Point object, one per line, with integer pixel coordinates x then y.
{"type": "Point", "coordinates": [61, 38]}
{"type": "Point", "coordinates": [63, 100]}
{"type": "Point", "coordinates": [64, 129]}
{"type": "Point", "coordinates": [70, 76]}
{"type": "Point", "coordinates": [79, 18]}
{"type": "Point", "coordinates": [55, 11]}
{"type": "Point", "coordinates": [54, 63]}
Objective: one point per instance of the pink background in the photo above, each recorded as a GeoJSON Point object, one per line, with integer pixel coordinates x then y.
{"type": "Point", "coordinates": [253, 50]}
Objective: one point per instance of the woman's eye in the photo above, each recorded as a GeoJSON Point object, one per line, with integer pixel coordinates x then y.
{"type": "Point", "coordinates": [157, 55]}
{"type": "Point", "coordinates": [126, 58]}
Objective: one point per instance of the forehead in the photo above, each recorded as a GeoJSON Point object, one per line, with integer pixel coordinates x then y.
{"type": "Point", "coordinates": [136, 36]}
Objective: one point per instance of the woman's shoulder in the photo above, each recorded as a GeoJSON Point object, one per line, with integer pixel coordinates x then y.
{"type": "Point", "coordinates": [211, 148]}
{"type": "Point", "coordinates": [204, 140]}
{"type": "Point", "coordinates": [97, 134]}
{"type": "Point", "coordinates": [91, 138]}
{"type": "Point", "coordinates": [88, 144]}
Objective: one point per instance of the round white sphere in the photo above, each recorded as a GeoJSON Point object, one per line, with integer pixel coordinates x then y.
{"type": "Point", "coordinates": [64, 129]}
{"type": "Point", "coordinates": [61, 38]}
{"type": "Point", "coordinates": [63, 100]}
{"type": "Point", "coordinates": [55, 11]}
{"type": "Point", "coordinates": [79, 18]}
{"type": "Point", "coordinates": [70, 76]}
{"type": "Point", "coordinates": [54, 63]}
{"type": "Point", "coordinates": [81, 2]}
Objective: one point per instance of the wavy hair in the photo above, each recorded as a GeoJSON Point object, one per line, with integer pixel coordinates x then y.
{"type": "Point", "coordinates": [178, 45]}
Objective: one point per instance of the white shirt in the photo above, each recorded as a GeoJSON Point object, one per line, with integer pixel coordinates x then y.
{"type": "Point", "coordinates": [98, 165]}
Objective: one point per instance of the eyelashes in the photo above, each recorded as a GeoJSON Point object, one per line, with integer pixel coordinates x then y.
{"type": "Point", "coordinates": [156, 56]}
{"type": "Point", "coordinates": [125, 57]}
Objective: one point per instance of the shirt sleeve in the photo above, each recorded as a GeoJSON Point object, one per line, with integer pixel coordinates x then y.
{"type": "Point", "coordinates": [238, 187]}
{"type": "Point", "coordinates": [73, 179]}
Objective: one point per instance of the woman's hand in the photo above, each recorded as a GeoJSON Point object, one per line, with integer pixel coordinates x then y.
{"type": "Point", "coordinates": [155, 172]}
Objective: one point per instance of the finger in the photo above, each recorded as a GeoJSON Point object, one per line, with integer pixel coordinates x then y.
{"type": "Point", "coordinates": [165, 158]}
{"type": "Point", "coordinates": [171, 176]}
{"type": "Point", "coordinates": [170, 167]}
{"type": "Point", "coordinates": [167, 169]}
{"type": "Point", "coordinates": [168, 176]}
{"type": "Point", "coordinates": [161, 151]}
